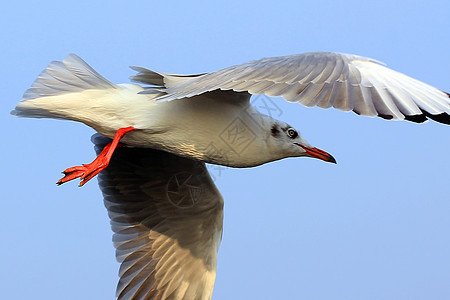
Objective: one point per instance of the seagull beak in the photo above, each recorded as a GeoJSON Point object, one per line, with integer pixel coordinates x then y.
{"type": "Point", "coordinates": [317, 153]}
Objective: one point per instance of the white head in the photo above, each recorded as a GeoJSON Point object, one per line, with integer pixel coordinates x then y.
{"type": "Point", "coordinates": [284, 141]}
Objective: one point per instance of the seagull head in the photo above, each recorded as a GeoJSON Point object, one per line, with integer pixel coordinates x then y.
{"type": "Point", "coordinates": [288, 142]}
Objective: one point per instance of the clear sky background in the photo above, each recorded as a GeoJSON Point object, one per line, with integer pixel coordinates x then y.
{"type": "Point", "coordinates": [374, 226]}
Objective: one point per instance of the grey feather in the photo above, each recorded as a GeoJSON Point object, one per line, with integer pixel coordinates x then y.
{"type": "Point", "coordinates": [158, 81]}
{"type": "Point", "coordinates": [70, 75]}
{"type": "Point", "coordinates": [344, 81]}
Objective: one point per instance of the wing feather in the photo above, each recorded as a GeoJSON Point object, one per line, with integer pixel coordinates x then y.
{"type": "Point", "coordinates": [166, 240]}
{"type": "Point", "coordinates": [324, 79]}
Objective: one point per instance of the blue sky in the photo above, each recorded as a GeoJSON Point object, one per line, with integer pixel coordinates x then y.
{"type": "Point", "coordinates": [374, 226]}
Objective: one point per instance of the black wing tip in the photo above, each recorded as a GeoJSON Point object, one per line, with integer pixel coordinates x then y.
{"type": "Point", "coordinates": [443, 118]}
{"type": "Point", "coordinates": [386, 117]}
{"type": "Point", "coordinates": [446, 93]}
{"type": "Point", "coordinates": [416, 118]}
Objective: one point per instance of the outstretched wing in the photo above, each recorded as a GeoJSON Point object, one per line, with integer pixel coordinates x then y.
{"type": "Point", "coordinates": [166, 214]}
{"type": "Point", "coordinates": [343, 81]}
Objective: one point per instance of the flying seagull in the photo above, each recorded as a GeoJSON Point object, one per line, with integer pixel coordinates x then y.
{"type": "Point", "coordinates": [165, 210]}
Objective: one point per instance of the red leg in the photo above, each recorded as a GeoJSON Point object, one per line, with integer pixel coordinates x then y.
{"type": "Point", "coordinates": [88, 171]}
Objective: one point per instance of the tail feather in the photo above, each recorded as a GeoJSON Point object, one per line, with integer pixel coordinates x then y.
{"type": "Point", "coordinates": [72, 75]}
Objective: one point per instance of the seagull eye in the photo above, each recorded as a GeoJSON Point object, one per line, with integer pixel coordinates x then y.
{"type": "Point", "coordinates": [292, 133]}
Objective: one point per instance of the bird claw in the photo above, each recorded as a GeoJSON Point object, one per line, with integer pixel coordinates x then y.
{"type": "Point", "coordinates": [85, 172]}
{"type": "Point", "coordinates": [88, 171]}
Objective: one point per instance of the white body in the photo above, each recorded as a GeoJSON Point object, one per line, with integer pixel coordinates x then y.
{"type": "Point", "coordinates": [194, 128]}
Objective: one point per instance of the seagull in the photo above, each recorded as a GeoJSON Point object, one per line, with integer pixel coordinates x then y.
{"type": "Point", "coordinates": [166, 213]}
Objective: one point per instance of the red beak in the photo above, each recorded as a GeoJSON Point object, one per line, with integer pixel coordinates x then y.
{"type": "Point", "coordinates": [317, 153]}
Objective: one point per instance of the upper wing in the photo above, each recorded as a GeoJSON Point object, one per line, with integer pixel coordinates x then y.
{"type": "Point", "coordinates": [166, 214]}
{"type": "Point", "coordinates": [346, 82]}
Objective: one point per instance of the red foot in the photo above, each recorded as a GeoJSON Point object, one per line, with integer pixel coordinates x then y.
{"type": "Point", "coordinates": [88, 171]}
